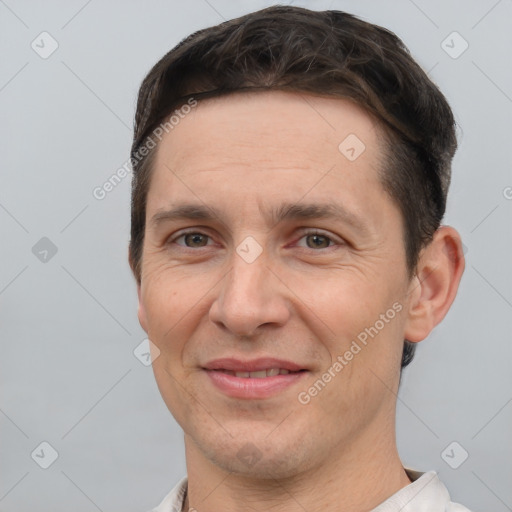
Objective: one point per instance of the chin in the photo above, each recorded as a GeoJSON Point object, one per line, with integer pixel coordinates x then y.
{"type": "Point", "coordinates": [277, 467]}
{"type": "Point", "coordinates": [258, 458]}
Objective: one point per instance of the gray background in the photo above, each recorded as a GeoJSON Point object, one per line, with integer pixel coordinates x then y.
{"type": "Point", "coordinates": [68, 323]}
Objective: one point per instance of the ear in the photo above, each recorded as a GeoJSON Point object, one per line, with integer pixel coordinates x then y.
{"type": "Point", "coordinates": [434, 287]}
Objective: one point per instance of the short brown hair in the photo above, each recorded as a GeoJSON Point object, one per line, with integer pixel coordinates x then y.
{"type": "Point", "coordinates": [328, 53]}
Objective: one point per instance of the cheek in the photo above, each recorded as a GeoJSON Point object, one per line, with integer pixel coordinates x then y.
{"type": "Point", "coordinates": [175, 304]}
{"type": "Point", "coordinates": [172, 314]}
{"type": "Point", "coordinates": [165, 303]}
{"type": "Point", "coordinates": [166, 292]}
{"type": "Point", "coordinates": [365, 325]}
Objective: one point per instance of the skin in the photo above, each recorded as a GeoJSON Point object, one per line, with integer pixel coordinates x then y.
{"type": "Point", "coordinates": [304, 299]}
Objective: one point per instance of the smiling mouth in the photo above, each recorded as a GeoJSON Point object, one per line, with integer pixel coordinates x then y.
{"type": "Point", "coordinates": [254, 380]}
{"type": "Point", "coordinates": [260, 374]}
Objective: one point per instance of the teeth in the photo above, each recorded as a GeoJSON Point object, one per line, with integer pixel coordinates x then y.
{"type": "Point", "coordinates": [260, 374]}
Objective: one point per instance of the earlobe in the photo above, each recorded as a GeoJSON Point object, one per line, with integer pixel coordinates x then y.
{"type": "Point", "coordinates": [433, 289]}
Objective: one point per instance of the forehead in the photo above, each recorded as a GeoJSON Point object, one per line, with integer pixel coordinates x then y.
{"type": "Point", "coordinates": [274, 128]}
{"type": "Point", "coordinates": [244, 150]}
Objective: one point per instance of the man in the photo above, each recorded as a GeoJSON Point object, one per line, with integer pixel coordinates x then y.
{"type": "Point", "coordinates": [291, 169]}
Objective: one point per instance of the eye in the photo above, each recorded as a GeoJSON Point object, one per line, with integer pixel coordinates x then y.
{"type": "Point", "coordinates": [192, 239]}
{"type": "Point", "coordinates": [317, 240]}
{"type": "Point", "coordinates": [195, 240]}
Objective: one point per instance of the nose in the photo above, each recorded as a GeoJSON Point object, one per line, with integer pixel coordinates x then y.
{"type": "Point", "coordinates": [251, 296]}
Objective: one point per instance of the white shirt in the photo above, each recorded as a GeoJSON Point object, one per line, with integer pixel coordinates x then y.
{"type": "Point", "coordinates": [426, 493]}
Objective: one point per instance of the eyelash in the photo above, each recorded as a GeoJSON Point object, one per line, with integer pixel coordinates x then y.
{"type": "Point", "coordinates": [304, 234]}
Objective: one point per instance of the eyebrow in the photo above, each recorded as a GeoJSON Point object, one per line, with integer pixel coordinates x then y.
{"type": "Point", "coordinates": [285, 212]}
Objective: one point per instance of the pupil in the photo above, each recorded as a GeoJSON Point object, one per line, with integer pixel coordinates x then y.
{"type": "Point", "coordinates": [317, 240]}
{"type": "Point", "coordinates": [195, 238]}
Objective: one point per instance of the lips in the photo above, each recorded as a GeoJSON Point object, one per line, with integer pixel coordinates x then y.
{"type": "Point", "coordinates": [260, 374]}
{"type": "Point", "coordinates": [256, 379]}
{"type": "Point", "coordinates": [253, 366]}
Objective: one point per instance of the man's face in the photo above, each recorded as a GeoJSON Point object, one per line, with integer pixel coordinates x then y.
{"type": "Point", "coordinates": [267, 291]}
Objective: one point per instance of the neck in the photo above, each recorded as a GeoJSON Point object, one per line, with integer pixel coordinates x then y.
{"type": "Point", "coordinates": [351, 480]}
